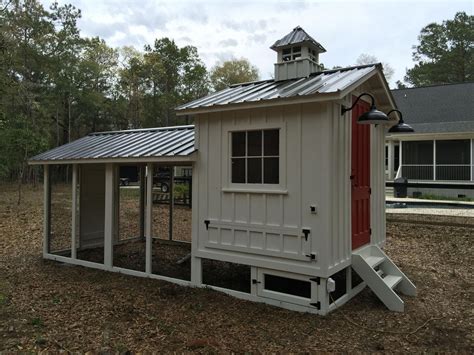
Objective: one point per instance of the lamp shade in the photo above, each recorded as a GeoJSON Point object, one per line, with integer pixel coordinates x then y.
{"type": "Point", "coordinates": [373, 116]}
{"type": "Point", "coordinates": [401, 127]}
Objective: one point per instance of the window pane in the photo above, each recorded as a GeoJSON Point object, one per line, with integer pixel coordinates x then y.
{"type": "Point", "coordinates": [271, 141]}
{"type": "Point", "coordinates": [238, 170]}
{"type": "Point", "coordinates": [271, 171]}
{"type": "Point", "coordinates": [254, 170]}
{"type": "Point", "coordinates": [238, 144]}
{"type": "Point", "coordinates": [453, 152]}
{"type": "Point", "coordinates": [287, 51]}
{"type": "Point", "coordinates": [296, 49]}
{"type": "Point", "coordinates": [417, 152]}
{"type": "Point", "coordinates": [254, 143]}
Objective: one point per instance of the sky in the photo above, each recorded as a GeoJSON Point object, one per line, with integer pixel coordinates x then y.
{"type": "Point", "coordinates": [222, 30]}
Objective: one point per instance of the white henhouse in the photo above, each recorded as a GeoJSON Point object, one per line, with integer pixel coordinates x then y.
{"type": "Point", "coordinates": [286, 183]}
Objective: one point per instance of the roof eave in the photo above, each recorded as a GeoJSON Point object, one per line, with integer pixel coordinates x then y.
{"type": "Point", "coordinates": [318, 97]}
{"type": "Point", "coordinates": [185, 159]}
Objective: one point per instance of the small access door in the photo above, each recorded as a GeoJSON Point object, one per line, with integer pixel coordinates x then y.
{"type": "Point", "coordinates": [360, 177]}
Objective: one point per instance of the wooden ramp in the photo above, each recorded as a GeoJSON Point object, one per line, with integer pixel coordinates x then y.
{"type": "Point", "coordinates": [383, 277]}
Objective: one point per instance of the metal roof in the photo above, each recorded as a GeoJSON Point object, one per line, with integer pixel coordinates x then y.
{"type": "Point", "coordinates": [131, 145]}
{"type": "Point", "coordinates": [438, 109]}
{"type": "Point", "coordinates": [326, 82]}
{"type": "Point", "coordinates": [298, 35]}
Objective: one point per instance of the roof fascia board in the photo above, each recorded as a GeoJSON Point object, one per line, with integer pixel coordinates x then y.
{"type": "Point", "coordinates": [429, 136]}
{"type": "Point", "coordinates": [263, 103]}
{"type": "Point", "coordinates": [189, 159]}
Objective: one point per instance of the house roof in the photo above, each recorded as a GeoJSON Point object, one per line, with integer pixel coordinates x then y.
{"type": "Point", "coordinates": [326, 82]}
{"type": "Point", "coordinates": [298, 35]}
{"type": "Point", "coordinates": [438, 109]}
{"type": "Point", "coordinates": [140, 145]}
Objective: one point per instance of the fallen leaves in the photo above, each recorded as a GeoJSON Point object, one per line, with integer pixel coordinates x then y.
{"type": "Point", "coordinates": [48, 306]}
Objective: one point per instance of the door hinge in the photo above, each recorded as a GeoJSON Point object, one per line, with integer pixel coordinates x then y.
{"type": "Point", "coordinates": [370, 191]}
{"type": "Point", "coordinates": [370, 231]}
{"type": "Point", "coordinates": [206, 222]}
{"type": "Point", "coordinates": [316, 279]}
{"type": "Point", "coordinates": [312, 256]}
{"type": "Point", "coordinates": [255, 281]}
{"type": "Point", "coordinates": [306, 232]}
{"type": "Point", "coordinates": [316, 304]}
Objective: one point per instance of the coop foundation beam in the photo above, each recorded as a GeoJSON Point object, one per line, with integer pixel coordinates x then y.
{"type": "Point", "coordinates": [46, 210]}
{"type": "Point", "coordinates": [149, 218]}
{"type": "Point", "coordinates": [74, 212]}
{"type": "Point", "coordinates": [109, 216]}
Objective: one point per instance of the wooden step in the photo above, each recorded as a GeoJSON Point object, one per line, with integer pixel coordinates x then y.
{"type": "Point", "coordinates": [392, 280]}
{"type": "Point", "coordinates": [374, 261]}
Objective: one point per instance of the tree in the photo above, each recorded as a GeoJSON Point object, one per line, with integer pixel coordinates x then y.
{"type": "Point", "coordinates": [172, 75]}
{"type": "Point", "coordinates": [444, 53]}
{"type": "Point", "coordinates": [233, 71]}
{"type": "Point", "coordinates": [371, 59]}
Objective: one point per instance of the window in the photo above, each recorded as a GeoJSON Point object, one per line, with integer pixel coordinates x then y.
{"type": "Point", "coordinates": [256, 157]}
{"type": "Point", "coordinates": [292, 53]}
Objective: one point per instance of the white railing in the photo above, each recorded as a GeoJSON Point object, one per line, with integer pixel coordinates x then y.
{"type": "Point", "coordinates": [443, 172]}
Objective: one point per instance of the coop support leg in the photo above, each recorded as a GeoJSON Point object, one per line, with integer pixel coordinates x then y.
{"type": "Point", "coordinates": [74, 212]}
{"type": "Point", "coordinates": [142, 201]}
{"type": "Point", "coordinates": [323, 297]}
{"type": "Point", "coordinates": [196, 271]}
{"type": "Point", "coordinates": [46, 210]}
{"type": "Point", "coordinates": [149, 218]}
{"type": "Point", "coordinates": [109, 216]}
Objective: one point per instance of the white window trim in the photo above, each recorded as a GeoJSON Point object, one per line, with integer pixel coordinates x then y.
{"type": "Point", "coordinates": [229, 186]}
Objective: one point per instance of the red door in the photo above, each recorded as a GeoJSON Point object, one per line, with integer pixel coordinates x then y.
{"type": "Point", "coordinates": [360, 177]}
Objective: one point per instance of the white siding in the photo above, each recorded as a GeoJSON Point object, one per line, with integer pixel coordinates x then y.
{"type": "Point", "coordinates": [340, 235]}
{"type": "Point", "coordinates": [264, 227]}
{"type": "Point", "coordinates": [377, 181]}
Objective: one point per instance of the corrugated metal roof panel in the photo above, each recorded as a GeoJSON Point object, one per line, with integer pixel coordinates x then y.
{"type": "Point", "coordinates": [298, 35]}
{"type": "Point", "coordinates": [319, 83]}
{"type": "Point", "coordinates": [154, 142]}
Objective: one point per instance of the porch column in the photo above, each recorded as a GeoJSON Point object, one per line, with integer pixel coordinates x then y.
{"type": "Point", "coordinates": [400, 157]}
{"type": "Point", "coordinates": [391, 160]}
{"type": "Point", "coordinates": [149, 218]}
{"type": "Point", "coordinates": [109, 215]}
{"type": "Point", "coordinates": [472, 159]}
{"type": "Point", "coordinates": [434, 159]}
{"type": "Point", "coordinates": [46, 209]}
{"type": "Point", "coordinates": [142, 201]}
{"type": "Point", "coordinates": [74, 211]}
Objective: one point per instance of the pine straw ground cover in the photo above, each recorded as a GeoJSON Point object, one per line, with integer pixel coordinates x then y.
{"type": "Point", "coordinates": [49, 306]}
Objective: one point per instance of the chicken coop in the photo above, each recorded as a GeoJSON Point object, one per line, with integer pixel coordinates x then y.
{"type": "Point", "coordinates": [288, 189]}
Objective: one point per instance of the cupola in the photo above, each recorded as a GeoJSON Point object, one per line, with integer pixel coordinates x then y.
{"type": "Point", "coordinates": [297, 55]}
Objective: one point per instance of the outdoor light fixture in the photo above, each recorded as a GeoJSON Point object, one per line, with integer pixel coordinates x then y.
{"type": "Point", "coordinates": [373, 116]}
{"type": "Point", "coordinates": [401, 126]}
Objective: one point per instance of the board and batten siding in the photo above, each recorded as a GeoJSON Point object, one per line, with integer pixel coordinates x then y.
{"type": "Point", "coordinates": [377, 183]}
{"type": "Point", "coordinates": [262, 225]}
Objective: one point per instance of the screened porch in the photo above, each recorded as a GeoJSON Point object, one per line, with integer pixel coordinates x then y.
{"type": "Point", "coordinates": [437, 160]}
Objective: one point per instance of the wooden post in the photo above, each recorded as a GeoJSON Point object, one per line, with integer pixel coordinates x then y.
{"type": "Point", "coordinates": [434, 160]}
{"type": "Point", "coordinates": [149, 219]}
{"type": "Point", "coordinates": [109, 215]}
{"type": "Point", "coordinates": [74, 212]}
{"type": "Point", "coordinates": [46, 209]}
{"type": "Point", "coordinates": [142, 201]}
{"type": "Point", "coordinates": [171, 203]}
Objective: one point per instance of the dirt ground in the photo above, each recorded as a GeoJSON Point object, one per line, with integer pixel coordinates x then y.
{"type": "Point", "coordinates": [48, 306]}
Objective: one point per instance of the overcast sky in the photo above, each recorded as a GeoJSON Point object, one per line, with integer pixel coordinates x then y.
{"type": "Point", "coordinates": [224, 29]}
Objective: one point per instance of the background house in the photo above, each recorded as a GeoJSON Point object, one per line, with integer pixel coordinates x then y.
{"type": "Point", "coordinates": [442, 148]}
